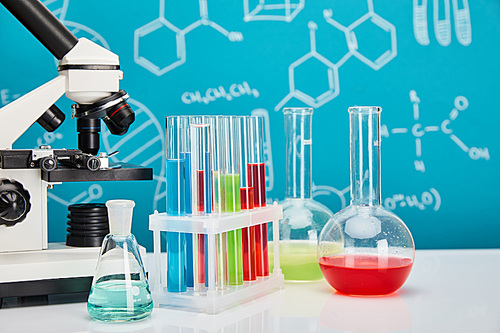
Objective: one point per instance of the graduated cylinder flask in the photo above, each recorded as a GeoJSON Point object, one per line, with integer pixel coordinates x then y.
{"type": "Point", "coordinates": [303, 217]}
{"type": "Point", "coordinates": [376, 248]}
{"type": "Point", "coordinates": [120, 291]}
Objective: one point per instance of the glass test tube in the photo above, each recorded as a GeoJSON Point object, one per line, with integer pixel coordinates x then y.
{"type": "Point", "coordinates": [201, 187]}
{"type": "Point", "coordinates": [219, 194]}
{"type": "Point", "coordinates": [186, 154]}
{"type": "Point", "coordinates": [257, 169]}
{"type": "Point", "coordinates": [247, 201]}
{"type": "Point", "coordinates": [232, 191]}
{"type": "Point", "coordinates": [176, 205]}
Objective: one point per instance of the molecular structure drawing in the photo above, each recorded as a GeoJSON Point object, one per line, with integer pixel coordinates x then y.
{"type": "Point", "coordinates": [429, 199]}
{"type": "Point", "coordinates": [353, 50]}
{"type": "Point", "coordinates": [158, 25]}
{"type": "Point", "coordinates": [263, 11]}
{"type": "Point", "coordinates": [94, 192]}
{"type": "Point", "coordinates": [418, 131]}
{"type": "Point", "coordinates": [441, 19]}
{"type": "Point", "coordinates": [332, 73]}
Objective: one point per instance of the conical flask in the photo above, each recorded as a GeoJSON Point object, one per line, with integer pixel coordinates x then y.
{"type": "Point", "coordinates": [365, 249]}
{"type": "Point", "coordinates": [120, 290]}
{"type": "Point", "coordinates": [303, 217]}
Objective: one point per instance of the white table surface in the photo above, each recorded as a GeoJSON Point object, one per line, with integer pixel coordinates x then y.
{"type": "Point", "coordinates": [447, 291]}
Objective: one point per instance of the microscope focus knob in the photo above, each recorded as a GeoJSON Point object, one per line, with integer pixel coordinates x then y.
{"type": "Point", "coordinates": [14, 202]}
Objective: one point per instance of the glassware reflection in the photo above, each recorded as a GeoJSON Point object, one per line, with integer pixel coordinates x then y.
{"type": "Point", "coordinates": [342, 313]}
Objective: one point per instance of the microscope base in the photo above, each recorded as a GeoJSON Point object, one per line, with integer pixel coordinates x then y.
{"type": "Point", "coordinates": [60, 269]}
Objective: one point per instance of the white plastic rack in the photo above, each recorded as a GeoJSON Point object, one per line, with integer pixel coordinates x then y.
{"type": "Point", "coordinates": [211, 299]}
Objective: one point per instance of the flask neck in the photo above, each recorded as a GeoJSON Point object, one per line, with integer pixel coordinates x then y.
{"type": "Point", "coordinates": [365, 155]}
{"type": "Point", "coordinates": [298, 129]}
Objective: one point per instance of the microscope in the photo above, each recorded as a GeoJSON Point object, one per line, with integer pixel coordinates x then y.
{"type": "Point", "coordinates": [89, 75]}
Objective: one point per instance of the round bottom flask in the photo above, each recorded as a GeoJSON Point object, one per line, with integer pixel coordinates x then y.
{"type": "Point", "coordinates": [365, 249]}
{"type": "Point", "coordinates": [120, 290]}
{"type": "Point", "coordinates": [376, 251]}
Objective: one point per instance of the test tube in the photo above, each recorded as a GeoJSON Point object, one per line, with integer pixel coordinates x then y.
{"type": "Point", "coordinates": [201, 186]}
{"type": "Point", "coordinates": [232, 191]}
{"type": "Point", "coordinates": [219, 195]}
{"type": "Point", "coordinates": [257, 169]}
{"type": "Point", "coordinates": [186, 154]}
{"type": "Point", "coordinates": [176, 205]}
{"type": "Point", "coordinates": [247, 201]}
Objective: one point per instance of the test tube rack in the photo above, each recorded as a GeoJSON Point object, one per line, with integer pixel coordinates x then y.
{"type": "Point", "coordinates": [210, 299]}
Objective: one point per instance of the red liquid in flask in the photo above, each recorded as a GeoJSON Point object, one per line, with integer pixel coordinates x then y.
{"type": "Point", "coordinates": [365, 274]}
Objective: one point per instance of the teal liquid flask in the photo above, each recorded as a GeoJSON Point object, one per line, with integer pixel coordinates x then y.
{"type": "Point", "coordinates": [120, 290]}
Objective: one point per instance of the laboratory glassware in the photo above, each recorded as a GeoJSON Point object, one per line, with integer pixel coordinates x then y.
{"type": "Point", "coordinates": [303, 217]}
{"type": "Point", "coordinates": [247, 200]}
{"type": "Point", "coordinates": [365, 249]}
{"type": "Point", "coordinates": [219, 194]}
{"type": "Point", "coordinates": [233, 198]}
{"type": "Point", "coordinates": [201, 186]}
{"type": "Point", "coordinates": [176, 176]}
{"type": "Point", "coordinates": [120, 290]}
{"type": "Point", "coordinates": [257, 170]}
{"type": "Point", "coordinates": [185, 154]}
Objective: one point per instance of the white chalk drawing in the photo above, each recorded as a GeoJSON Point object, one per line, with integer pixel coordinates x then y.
{"type": "Point", "coordinates": [324, 190]}
{"type": "Point", "coordinates": [48, 138]}
{"type": "Point", "coordinates": [57, 7]}
{"type": "Point", "coordinates": [94, 192]}
{"type": "Point", "coordinates": [333, 89]}
{"type": "Point", "coordinates": [268, 154]}
{"type": "Point", "coordinates": [418, 131]}
{"type": "Point", "coordinates": [427, 199]}
{"type": "Point", "coordinates": [235, 90]}
{"type": "Point", "coordinates": [147, 149]}
{"type": "Point", "coordinates": [140, 56]}
{"type": "Point", "coordinates": [286, 10]}
{"type": "Point", "coordinates": [442, 21]}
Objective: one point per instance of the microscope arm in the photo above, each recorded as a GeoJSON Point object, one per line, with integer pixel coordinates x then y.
{"type": "Point", "coordinates": [13, 123]}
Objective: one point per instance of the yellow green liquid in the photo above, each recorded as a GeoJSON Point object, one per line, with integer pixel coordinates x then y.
{"type": "Point", "coordinates": [298, 260]}
{"type": "Point", "coordinates": [234, 242]}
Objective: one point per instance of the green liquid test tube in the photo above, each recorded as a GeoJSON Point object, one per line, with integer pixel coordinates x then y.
{"type": "Point", "coordinates": [233, 200]}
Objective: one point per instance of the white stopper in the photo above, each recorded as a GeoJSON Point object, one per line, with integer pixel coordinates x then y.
{"type": "Point", "coordinates": [120, 216]}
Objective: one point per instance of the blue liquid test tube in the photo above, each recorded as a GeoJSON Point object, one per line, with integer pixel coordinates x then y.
{"type": "Point", "coordinates": [186, 154]}
{"type": "Point", "coordinates": [176, 205]}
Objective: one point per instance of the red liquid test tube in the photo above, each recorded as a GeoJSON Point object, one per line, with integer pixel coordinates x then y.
{"type": "Point", "coordinates": [256, 168]}
{"type": "Point", "coordinates": [247, 202]}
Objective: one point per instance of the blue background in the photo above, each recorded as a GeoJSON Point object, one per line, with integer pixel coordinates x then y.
{"type": "Point", "coordinates": [449, 205]}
